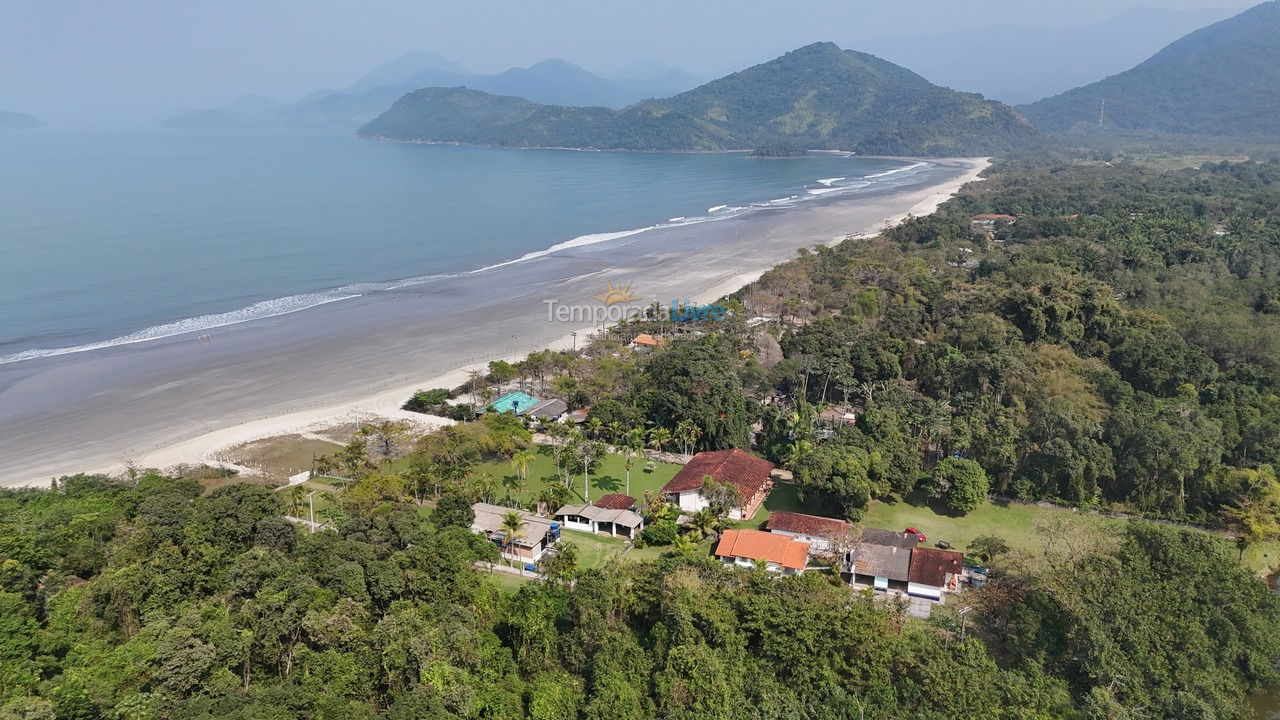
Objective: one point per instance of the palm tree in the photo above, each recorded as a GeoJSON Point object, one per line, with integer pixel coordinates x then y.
{"type": "Point", "coordinates": [296, 494]}
{"type": "Point", "coordinates": [684, 545]}
{"type": "Point", "coordinates": [688, 433]}
{"type": "Point", "coordinates": [520, 462]}
{"type": "Point", "coordinates": [658, 437]}
{"type": "Point", "coordinates": [512, 528]}
{"type": "Point", "coordinates": [704, 522]}
{"type": "Point", "coordinates": [795, 453]}
{"type": "Point", "coordinates": [594, 426]}
{"type": "Point", "coordinates": [616, 432]}
{"type": "Point", "coordinates": [635, 441]}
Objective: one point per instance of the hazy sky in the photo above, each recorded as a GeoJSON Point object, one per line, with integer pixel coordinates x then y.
{"type": "Point", "coordinates": [140, 59]}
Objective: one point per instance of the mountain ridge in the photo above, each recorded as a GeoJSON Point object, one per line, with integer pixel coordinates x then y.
{"type": "Point", "coordinates": [550, 81]}
{"type": "Point", "coordinates": [1223, 79]}
{"type": "Point", "coordinates": [818, 97]}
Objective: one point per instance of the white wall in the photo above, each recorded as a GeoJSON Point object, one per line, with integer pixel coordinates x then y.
{"type": "Point", "coordinates": [815, 542]}
{"type": "Point", "coordinates": [692, 501]}
{"type": "Point", "coordinates": [930, 591]}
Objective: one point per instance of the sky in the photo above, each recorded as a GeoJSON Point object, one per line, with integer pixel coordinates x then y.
{"type": "Point", "coordinates": [131, 60]}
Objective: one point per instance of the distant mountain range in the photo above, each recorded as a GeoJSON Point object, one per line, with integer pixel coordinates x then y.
{"type": "Point", "coordinates": [817, 97]}
{"type": "Point", "coordinates": [1023, 64]}
{"type": "Point", "coordinates": [1220, 80]}
{"type": "Point", "coordinates": [18, 121]}
{"type": "Point", "coordinates": [550, 81]}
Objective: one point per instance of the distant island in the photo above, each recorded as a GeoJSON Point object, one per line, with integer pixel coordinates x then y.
{"type": "Point", "coordinates": [818, 97]}
{"type": "Point", "coordinates": [1220, 80]}
{"type": "Point", "coordinates": [18, 121]}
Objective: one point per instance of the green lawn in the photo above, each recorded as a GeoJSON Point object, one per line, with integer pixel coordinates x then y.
{"type": "Point", "coordinates": [609, 477]}
{"type": "Point", "coordinates": [508, 582]}
{"type": "Point", "coordinates": [782, 498]}
{"type": "Point", "coordinates": [594, 551]}
{"type": "Point", "coordinates": [1016, 523]}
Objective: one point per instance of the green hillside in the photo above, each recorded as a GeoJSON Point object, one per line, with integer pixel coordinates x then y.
{"type": "Point", "coordinates": [817, 97]}
{"type": "Point", "coordinates": [1221, 80]}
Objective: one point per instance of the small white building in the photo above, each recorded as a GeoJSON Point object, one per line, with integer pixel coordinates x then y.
{"type": "Point", "coordinates": [602, 520]}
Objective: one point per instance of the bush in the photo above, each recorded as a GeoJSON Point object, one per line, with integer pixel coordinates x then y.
{"type": "Point", "coordinates": [424, 401]}
{"type": "Point", "coordinates": [662, 532]}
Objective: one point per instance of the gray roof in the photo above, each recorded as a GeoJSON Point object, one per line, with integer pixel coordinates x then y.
{"type": "Point", "coordinates": [871, 536]}
{"type": "Point", "coordinates": [489, 520]}
{"type": "Point", "coordinates": [552, 408]}
{"type": "Point", "coordinates": [886, 561]}
{"type": "Point", "coordinates": [625, 518]}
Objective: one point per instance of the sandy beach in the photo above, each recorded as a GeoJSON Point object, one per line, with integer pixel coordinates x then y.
{"type": "Point", "coordinates": [182, 399]}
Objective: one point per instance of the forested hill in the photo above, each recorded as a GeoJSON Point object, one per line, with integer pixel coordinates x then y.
{"type": "Point", "coordinates": [1221, 80]}
{"type": "Point", "coordinates": [817, 97]}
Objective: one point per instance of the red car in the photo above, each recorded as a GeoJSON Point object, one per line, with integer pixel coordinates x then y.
{"type": "Point", "coordinates": [919, 535]}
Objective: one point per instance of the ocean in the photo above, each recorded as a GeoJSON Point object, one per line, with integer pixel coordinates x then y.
{"type": "Point", "coordinates": [112, 239]}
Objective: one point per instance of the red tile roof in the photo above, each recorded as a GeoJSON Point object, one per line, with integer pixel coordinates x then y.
{"type": "Point", "coordinates": [930, 566]}
{"type": "Point", "coordinates": [748, 472]}
{"type": "Point", "coordinates": [759, 545]}
{"type": "Point", "coordinates": [807, 524]}
{"type": "Point", "coordinates": [615, 501]}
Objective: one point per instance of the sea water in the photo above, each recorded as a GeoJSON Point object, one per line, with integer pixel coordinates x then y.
{"type": "Point", "coordinates": [117, 238]}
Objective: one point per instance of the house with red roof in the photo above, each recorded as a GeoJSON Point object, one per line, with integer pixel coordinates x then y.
{"type": "Point", "coordinates": [745, 548]}
{"type": "Point", "coordinates": [816, 530]}
{"type": "Point", "coordinates": [749, 474]}
{"type": "Point", "coordinates": [934, 572]}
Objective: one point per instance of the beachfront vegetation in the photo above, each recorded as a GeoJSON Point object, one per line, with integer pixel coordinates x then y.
{"type": "Point", "coordinates": [147, 598]}
{"type": "Point", "coordinates": [816, 97]}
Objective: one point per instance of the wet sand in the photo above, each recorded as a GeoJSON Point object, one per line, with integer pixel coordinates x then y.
{"type": "Point", "coordinates": [179, 399]}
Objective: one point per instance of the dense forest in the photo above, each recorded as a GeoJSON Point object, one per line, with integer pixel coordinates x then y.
{"type": "Point", "coordinates": [816, 97]}
{"type": "Point", "coordinates": [1220, 80]}
{"type": "Point", "coordinates": [148, 598]}
{"type": "Point", "coordinates": [1115, 346]}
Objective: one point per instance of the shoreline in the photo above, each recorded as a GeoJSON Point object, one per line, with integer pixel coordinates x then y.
{"type": "Point", "coordinates": [773, 238]}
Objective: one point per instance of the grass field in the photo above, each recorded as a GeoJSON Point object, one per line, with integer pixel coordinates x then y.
{"type": "Point", "coordinates": [1016, 523]}
{"type": "Point", "coordinates": [594, 551]}
{"type": "Point", "coordinates": [508, 582]}
{"type": "Point", "coordinates": [609, 477]}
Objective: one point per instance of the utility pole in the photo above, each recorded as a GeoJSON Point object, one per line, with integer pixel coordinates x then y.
{"type": "Point", "coordinates": [575, 340]}
{"type": "Point", "coordinates": [964, 612]}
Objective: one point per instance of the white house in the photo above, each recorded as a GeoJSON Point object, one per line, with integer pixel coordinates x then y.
{"type": "Point", "coordinates": [603, 520]}
{"type": "Point", "coordinates": [751, 475]}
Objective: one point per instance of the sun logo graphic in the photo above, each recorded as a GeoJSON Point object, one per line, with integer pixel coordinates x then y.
{"type": "Point", "coordinates": [614, 295]}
